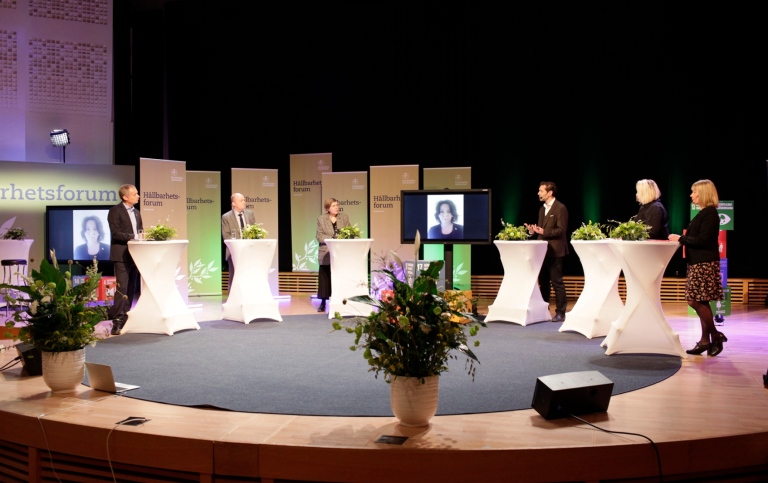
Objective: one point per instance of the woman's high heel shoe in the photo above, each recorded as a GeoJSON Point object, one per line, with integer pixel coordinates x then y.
{"type": "Point", "coordinates": [699, 349]}
{"type": "Point", "coordinates": [716, 346]}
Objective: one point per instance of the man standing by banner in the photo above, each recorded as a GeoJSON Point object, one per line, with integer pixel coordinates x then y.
{"type": "Point", "coordinates": [124, 224]}
{"type": "Point", "coordinates": [552, 227]}
{"type": "Point", "coordinates": [233, 223]}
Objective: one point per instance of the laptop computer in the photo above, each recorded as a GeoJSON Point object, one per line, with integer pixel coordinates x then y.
{"type": "Point", "coordinates": [100, 378]}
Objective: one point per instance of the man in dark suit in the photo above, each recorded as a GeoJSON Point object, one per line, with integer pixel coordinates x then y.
{"type": "Point", "coordinates": [232, 224]}
{"type": "Point", "coordinates": [124, 224]}
{"type": "Point", "coordinates": [552, 227]}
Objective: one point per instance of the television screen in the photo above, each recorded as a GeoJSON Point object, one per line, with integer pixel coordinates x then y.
{"type": "Point", "coordinates": [77, 233]}
{"type": "Point", "coordinates": [446, 216]}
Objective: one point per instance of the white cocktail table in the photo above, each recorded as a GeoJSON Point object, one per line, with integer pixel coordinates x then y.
{"type": "Point", "coordinates": [519, 299]}
{"type": "Point", "coordinates": [349, 275]}
{"type": "Point", "coordinates": [160, 308]}
{"type": "Point", "coordinates": [250, 297]}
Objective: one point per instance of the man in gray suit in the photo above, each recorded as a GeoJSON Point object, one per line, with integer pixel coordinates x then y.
{"type": "Point", "coordinates": [232, 224]}
{"type": "Point", "coordinates": [552, 227]}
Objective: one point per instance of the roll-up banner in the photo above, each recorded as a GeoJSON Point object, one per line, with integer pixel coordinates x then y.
{"type": "Point", "coordinates": [27, 188]}
{"type": "Point", "coordinates": [351, 189]}
{"type": "Point", "coordinates": [163, 190]}
{"type": "Point", "coordinates": [386, 182]}
{"type": "Point", "coordinates": [203, 220]}
{"type": "Point", "coordinates": [259, 187]}
{"type": "Point", "coordinates": [306, 206]}
{"type": "Point", "coordinates": [451, 178]}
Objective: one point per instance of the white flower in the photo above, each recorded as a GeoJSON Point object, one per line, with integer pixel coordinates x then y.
{"type": "Point", "coordinates": [46, 299]}
{"type": "Point", "coordinates": [33, 307]}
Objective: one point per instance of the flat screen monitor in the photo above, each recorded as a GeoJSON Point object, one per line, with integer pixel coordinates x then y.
{"type": "Point", "coordinates": [77, 233]}
{"type": "Point", "coordinates": [465, 216]}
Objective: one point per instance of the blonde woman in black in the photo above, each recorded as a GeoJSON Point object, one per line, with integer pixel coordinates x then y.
{"type": "Point", "coordinates": [703, 282]}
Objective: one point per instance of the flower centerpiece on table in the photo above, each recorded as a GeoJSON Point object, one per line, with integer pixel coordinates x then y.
{"type": "Point", "coordinates": [411, 334]}
{"type": "Point", "coordinates": [55, 315]}
{"type": "Point", "coordinates": [16, 233]}
{"type": "Point", "coordinates": [254, 232]}
{"type": "Point", "coordinates": [510, 232]}
{"type": "Point", "coordinates": [350, 232]}
{"type": "Point", "coordinates": [160, 232]}
{"type": "Point", "coordinates": [631, 230]}
{"type": "Point", "coordinates": [589, 231]}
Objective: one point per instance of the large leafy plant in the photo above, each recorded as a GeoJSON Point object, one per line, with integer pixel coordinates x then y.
{"type": "Point", "coordinates": [56, 316]}
{"type": "Point", "coordinates": [510, 232]}
{"type": "Point", "coordinates": [589, 231]}
{"type": "Point", "coordinates": [411, 333]}
{"type": "Point", "coordinates": [631, 230]}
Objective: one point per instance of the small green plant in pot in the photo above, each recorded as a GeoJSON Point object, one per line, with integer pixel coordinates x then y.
{"type": "Point", "coordinates": [16, 233]}
{"type": "Point", "coordinates": [254, 232]}
{"type": "Point", "coordinates": [160, 232]}
{"type": "Point", "coordinates": [350, 232]}
{"type": "Point", "coordinates": [631, 230]}
{"type": "Point", "coordinates": [589, 231]}
{"type": "Point", "coordinates": [510, 232]}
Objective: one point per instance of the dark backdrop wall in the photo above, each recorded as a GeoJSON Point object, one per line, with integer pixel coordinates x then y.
{"type": "Point", "coordinates": [591, 95]}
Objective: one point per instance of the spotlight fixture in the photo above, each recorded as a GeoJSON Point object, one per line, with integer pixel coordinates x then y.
{"type": "Point", "coordinates": [60, 139]}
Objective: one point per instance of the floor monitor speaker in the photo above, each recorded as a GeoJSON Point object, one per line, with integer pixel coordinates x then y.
{"type": "Point", "coordinates": [560, 395]}
{"type": "Point", "coordinates": [31, 359]}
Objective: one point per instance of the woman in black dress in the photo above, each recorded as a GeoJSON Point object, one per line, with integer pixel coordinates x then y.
{"type": "Point", "coordinates": [703, 283]}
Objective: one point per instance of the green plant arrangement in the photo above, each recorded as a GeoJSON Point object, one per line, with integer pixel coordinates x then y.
{"type": "Point", "coordinates": [631, 230]}
{"type": "Point", "coordinates": [15, 233]}
{"type": "Point", "coordinates": [254, 232]}
{"type": "Point", "coordinates": [509, 232]}
{"type": "Point", "coordinates": [57, 317]}
{"type": "Point", "coordinates": [589, 231]}
{"type": "Point", "coordinates": [411, 334]}
{"type": "Point", "coordinates": [160, 232]}
{"type": "Point", "coordinates": [350, 232]}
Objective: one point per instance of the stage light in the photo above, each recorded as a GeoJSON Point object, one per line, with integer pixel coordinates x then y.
{"type": "Point", "coordinates": [60, 139]}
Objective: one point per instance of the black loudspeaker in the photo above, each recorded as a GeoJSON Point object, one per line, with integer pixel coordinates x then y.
{"type": "Point", "coordinates": [560, 395]}
{"type": "Point", "coordinates": [31, 359]}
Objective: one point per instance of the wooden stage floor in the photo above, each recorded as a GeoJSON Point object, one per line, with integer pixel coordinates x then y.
{"type": "Point", "coordinates": [709, 422]}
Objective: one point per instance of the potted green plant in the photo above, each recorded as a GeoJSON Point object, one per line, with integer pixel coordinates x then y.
{"type": "Point", "coordinates": [350, 232]}
{"type": "Point", "coordinates": [510, 232]}
{"type": "Point", "coordinates": [589, 231]}
{"type": "Point", "coordinates": [160, 232]}
{"type": "Point", "coordinates": [409, 340]}
{"type": "Point", "coordinates": [631, 230]}
{"type": "Point", "coordinates": [254, 232]}
{"type": "Point", "coordinates": [57, 318]}
{"type": "Point", "coordinates": [15, 233]}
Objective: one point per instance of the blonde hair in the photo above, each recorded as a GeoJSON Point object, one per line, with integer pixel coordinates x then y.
{"type": "Point", "coordinates": [328, 202]}
{"type": "Point", "coordinates": [647, 191]}
{"type": "Point", "coordinates": [707, 193]}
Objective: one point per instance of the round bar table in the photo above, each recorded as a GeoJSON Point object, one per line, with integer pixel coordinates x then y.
{"type": "Point", "coordinates": [599, 303]}
{"type": "Point", "coordinates": [642, 328]}
{"type": "Point", "coordinates": [349, 275]}
{"type": "Point", "coordinates": [160, 308]}
{"type": "Point", "coordinates": [519, 299]}
{"type": "Point", "coordinates": [250, 297]}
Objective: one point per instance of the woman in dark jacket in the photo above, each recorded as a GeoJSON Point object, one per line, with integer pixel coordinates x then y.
{"type": "Point", "coordinates": [703, 283]}
{"type": "Point", "coordinates": [651, 212]}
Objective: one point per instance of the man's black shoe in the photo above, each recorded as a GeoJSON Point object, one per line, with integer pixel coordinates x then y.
{"type": "Point", "coordinates": [558, 318]}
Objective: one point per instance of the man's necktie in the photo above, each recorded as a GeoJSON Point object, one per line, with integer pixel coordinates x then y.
{"type": "Point", "coordinates": [242, 225]}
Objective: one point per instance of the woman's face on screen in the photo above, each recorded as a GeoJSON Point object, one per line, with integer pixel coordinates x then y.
{"type": "Point", "coordinates": [445, 214]}
{"type": "Point", "coordinates": [91, 233]}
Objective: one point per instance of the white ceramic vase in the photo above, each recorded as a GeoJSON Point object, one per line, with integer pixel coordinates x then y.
{"type": "Point", "coordinates": [63, 371]}
{"type": "Point", "coordinates": [414, 403]}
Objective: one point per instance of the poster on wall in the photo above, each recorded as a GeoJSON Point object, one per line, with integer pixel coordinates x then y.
{"type": "Point", "coordinates": [203, 219]}
{"type": "Point", "coordinates": [384, 201]}
{"type": "Point", "coordinates": [306, 206]}
{"type": "Point", "coordinates": [26, 189]}
{"type": "Point", "coordinates": [448, 179]}
{"type": "Point", "coordinates": [163, 191]}
{"type": "Point", "coordinates": [351, 190]}
{"type": "Point", "coordinates": [259, 187]}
